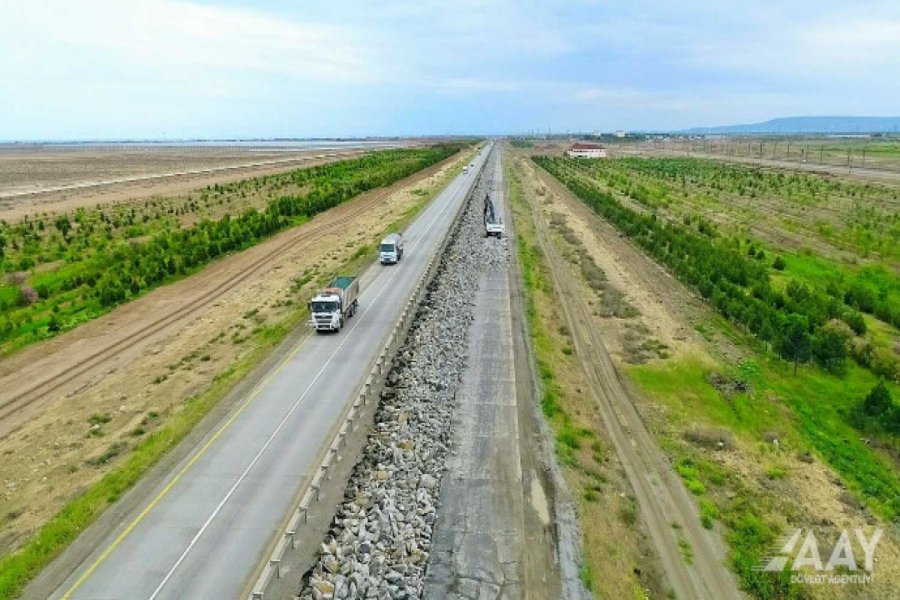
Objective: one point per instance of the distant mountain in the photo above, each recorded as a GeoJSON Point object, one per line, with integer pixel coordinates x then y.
{"type": "Point", "coordinates": [794, 125]}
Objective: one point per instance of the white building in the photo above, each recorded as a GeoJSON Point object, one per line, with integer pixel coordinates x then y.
{"type": "Point", "coordinates": [619, 134]}
{"type": "Point", "coordinates": [586, 150]}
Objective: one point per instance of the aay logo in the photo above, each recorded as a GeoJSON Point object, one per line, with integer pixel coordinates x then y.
{"type": "Point", "coordinates": [842, 554]}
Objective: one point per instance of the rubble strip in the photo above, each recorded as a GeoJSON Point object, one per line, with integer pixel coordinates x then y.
{"type": "Point", "coordinates": [379, 541]}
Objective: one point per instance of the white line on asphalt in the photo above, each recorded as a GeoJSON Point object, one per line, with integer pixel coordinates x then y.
{"type": "Point", "coordinates": [272, 436]}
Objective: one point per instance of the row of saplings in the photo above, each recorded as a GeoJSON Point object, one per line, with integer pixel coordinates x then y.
{"type": "Point", "coordinates": [801, 324]}
{"type": "Point", "coordinates": [113, 276]}
{"type": "Point", "coordinates": [858, 294]}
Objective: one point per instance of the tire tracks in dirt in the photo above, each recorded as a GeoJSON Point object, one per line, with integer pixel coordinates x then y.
{"type": "Point", "coordinates": [665, 505]}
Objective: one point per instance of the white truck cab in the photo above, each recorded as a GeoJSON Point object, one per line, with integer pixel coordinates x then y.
{"type": "Point", "coordinates": [331, 307]}
{"type": "Point", "coordinates": [391, 249]}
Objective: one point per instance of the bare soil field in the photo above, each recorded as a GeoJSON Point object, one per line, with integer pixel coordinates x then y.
{"type": "Point", "coordinates": [97, 390]}
{"type": "Point", "coordinates": [53, 178]}
{"type": "Point", "coordinates": [670, 330]}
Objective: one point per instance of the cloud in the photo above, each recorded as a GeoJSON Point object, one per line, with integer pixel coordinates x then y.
{"type": "Point", "coordinates": [814, 46]}
{"type": "Point", "coordinates": [159, 38]}
{"type": "Point", "coordinates": [341, 67]}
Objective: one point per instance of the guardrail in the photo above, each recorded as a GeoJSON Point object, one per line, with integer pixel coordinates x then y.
{"type": "Point", "coordinates": [368, 392]}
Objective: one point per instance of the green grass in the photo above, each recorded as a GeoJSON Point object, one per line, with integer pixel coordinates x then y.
{"type": "Point", "coordinates": [566, 435]}
{"type": "Point", "coordinates": [687, 553]}
{"type": "Point", "coordinates": [818, 404]}
{"type": "Point", "coordinates": [684, 385]}
{"type": "Point", "coordinates": [808, 413]}
{"type": "Point", "coordinates": [587, 577]}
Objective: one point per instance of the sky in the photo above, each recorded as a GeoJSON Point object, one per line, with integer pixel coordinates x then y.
{"type": "Point", "coordinates": [177, 69]}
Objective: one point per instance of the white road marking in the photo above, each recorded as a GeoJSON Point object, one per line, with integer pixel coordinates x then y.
{"type": "Point", "coordinates": [274, 434]}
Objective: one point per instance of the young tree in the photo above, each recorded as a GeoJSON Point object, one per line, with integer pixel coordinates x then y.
{"type": "Point", "coordinates": [830, 350]}
{"type": "Point", "coordinates": [63, 225]}
{"type": "Point", "coordinates": [878, 401]}
{"type": "Point", "coordinates": [795, 344]}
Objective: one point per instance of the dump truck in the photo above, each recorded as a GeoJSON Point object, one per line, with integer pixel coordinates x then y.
{"type": "Point", "coordinates": [335, 304]}
{"type": "Point", "coordinates": [391, 249]}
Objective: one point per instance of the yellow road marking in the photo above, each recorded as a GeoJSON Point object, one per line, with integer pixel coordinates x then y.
{"type": "Point", "coordinates": [109, 550]}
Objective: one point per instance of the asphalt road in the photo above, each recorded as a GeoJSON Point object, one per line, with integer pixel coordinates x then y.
{"type": "Point", "coordinates": [202, 532]}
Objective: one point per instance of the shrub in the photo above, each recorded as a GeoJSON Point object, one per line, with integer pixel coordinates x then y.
{"type": "Point", "coordinates": [878, 401]}
{"type": "Point", "coordinates": [856, 321]}
{"type": "Point", "coordinates": [779, 264]}
{"type": "Point", "coordinates": [28, 295]}
{"type": "Point", "coordinates": [829, 348]}
{"type": "Point", "coordinates": [794, 343]}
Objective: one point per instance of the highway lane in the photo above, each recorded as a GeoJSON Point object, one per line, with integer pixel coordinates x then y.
{"type": "Point", "coordinates": [202, 532]}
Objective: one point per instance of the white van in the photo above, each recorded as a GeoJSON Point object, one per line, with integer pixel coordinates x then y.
{"type": "Point", "coordinates": [391, 249]}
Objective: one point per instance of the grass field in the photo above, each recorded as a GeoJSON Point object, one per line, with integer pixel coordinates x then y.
{"type": "Point", "coordinates": [841, 239]}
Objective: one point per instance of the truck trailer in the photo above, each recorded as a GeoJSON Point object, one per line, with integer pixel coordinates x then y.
{"type": "Point", "coordinates": [335, 304]}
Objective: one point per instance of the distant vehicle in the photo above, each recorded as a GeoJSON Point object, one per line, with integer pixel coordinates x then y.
{"type": "Point", "coordinates": [335, 304]}
{"type": "Point", "coordinates": [465, 170]}
{"type": "Point", "coordinates": [493, 224]}
{"type": "Point", "coordinates": [391, 249]}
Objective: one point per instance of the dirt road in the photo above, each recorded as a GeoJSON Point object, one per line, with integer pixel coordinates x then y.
{"type": "Point", "coordinates": [665, 505]}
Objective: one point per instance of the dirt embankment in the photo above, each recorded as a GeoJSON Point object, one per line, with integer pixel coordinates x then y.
{"type": "Point", "coordinates": [95, 391]}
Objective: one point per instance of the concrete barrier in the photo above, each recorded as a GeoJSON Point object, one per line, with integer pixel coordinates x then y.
{"type": "Point", "coordinates": [369, 390]}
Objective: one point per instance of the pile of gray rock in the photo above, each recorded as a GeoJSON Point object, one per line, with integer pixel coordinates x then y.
{"type": "Point", "coordinates": [379, 541]}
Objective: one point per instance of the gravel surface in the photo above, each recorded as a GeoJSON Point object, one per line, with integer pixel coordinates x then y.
{"type": "Point", "coordinates": [380, 539]}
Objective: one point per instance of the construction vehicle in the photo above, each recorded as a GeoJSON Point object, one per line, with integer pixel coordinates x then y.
{"type": "Point", "coordinates": [493, 224]}
{"type": "Point", "coordinates": [391, 249]}
{"type": "Point", "coordinates": [335, 304]}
